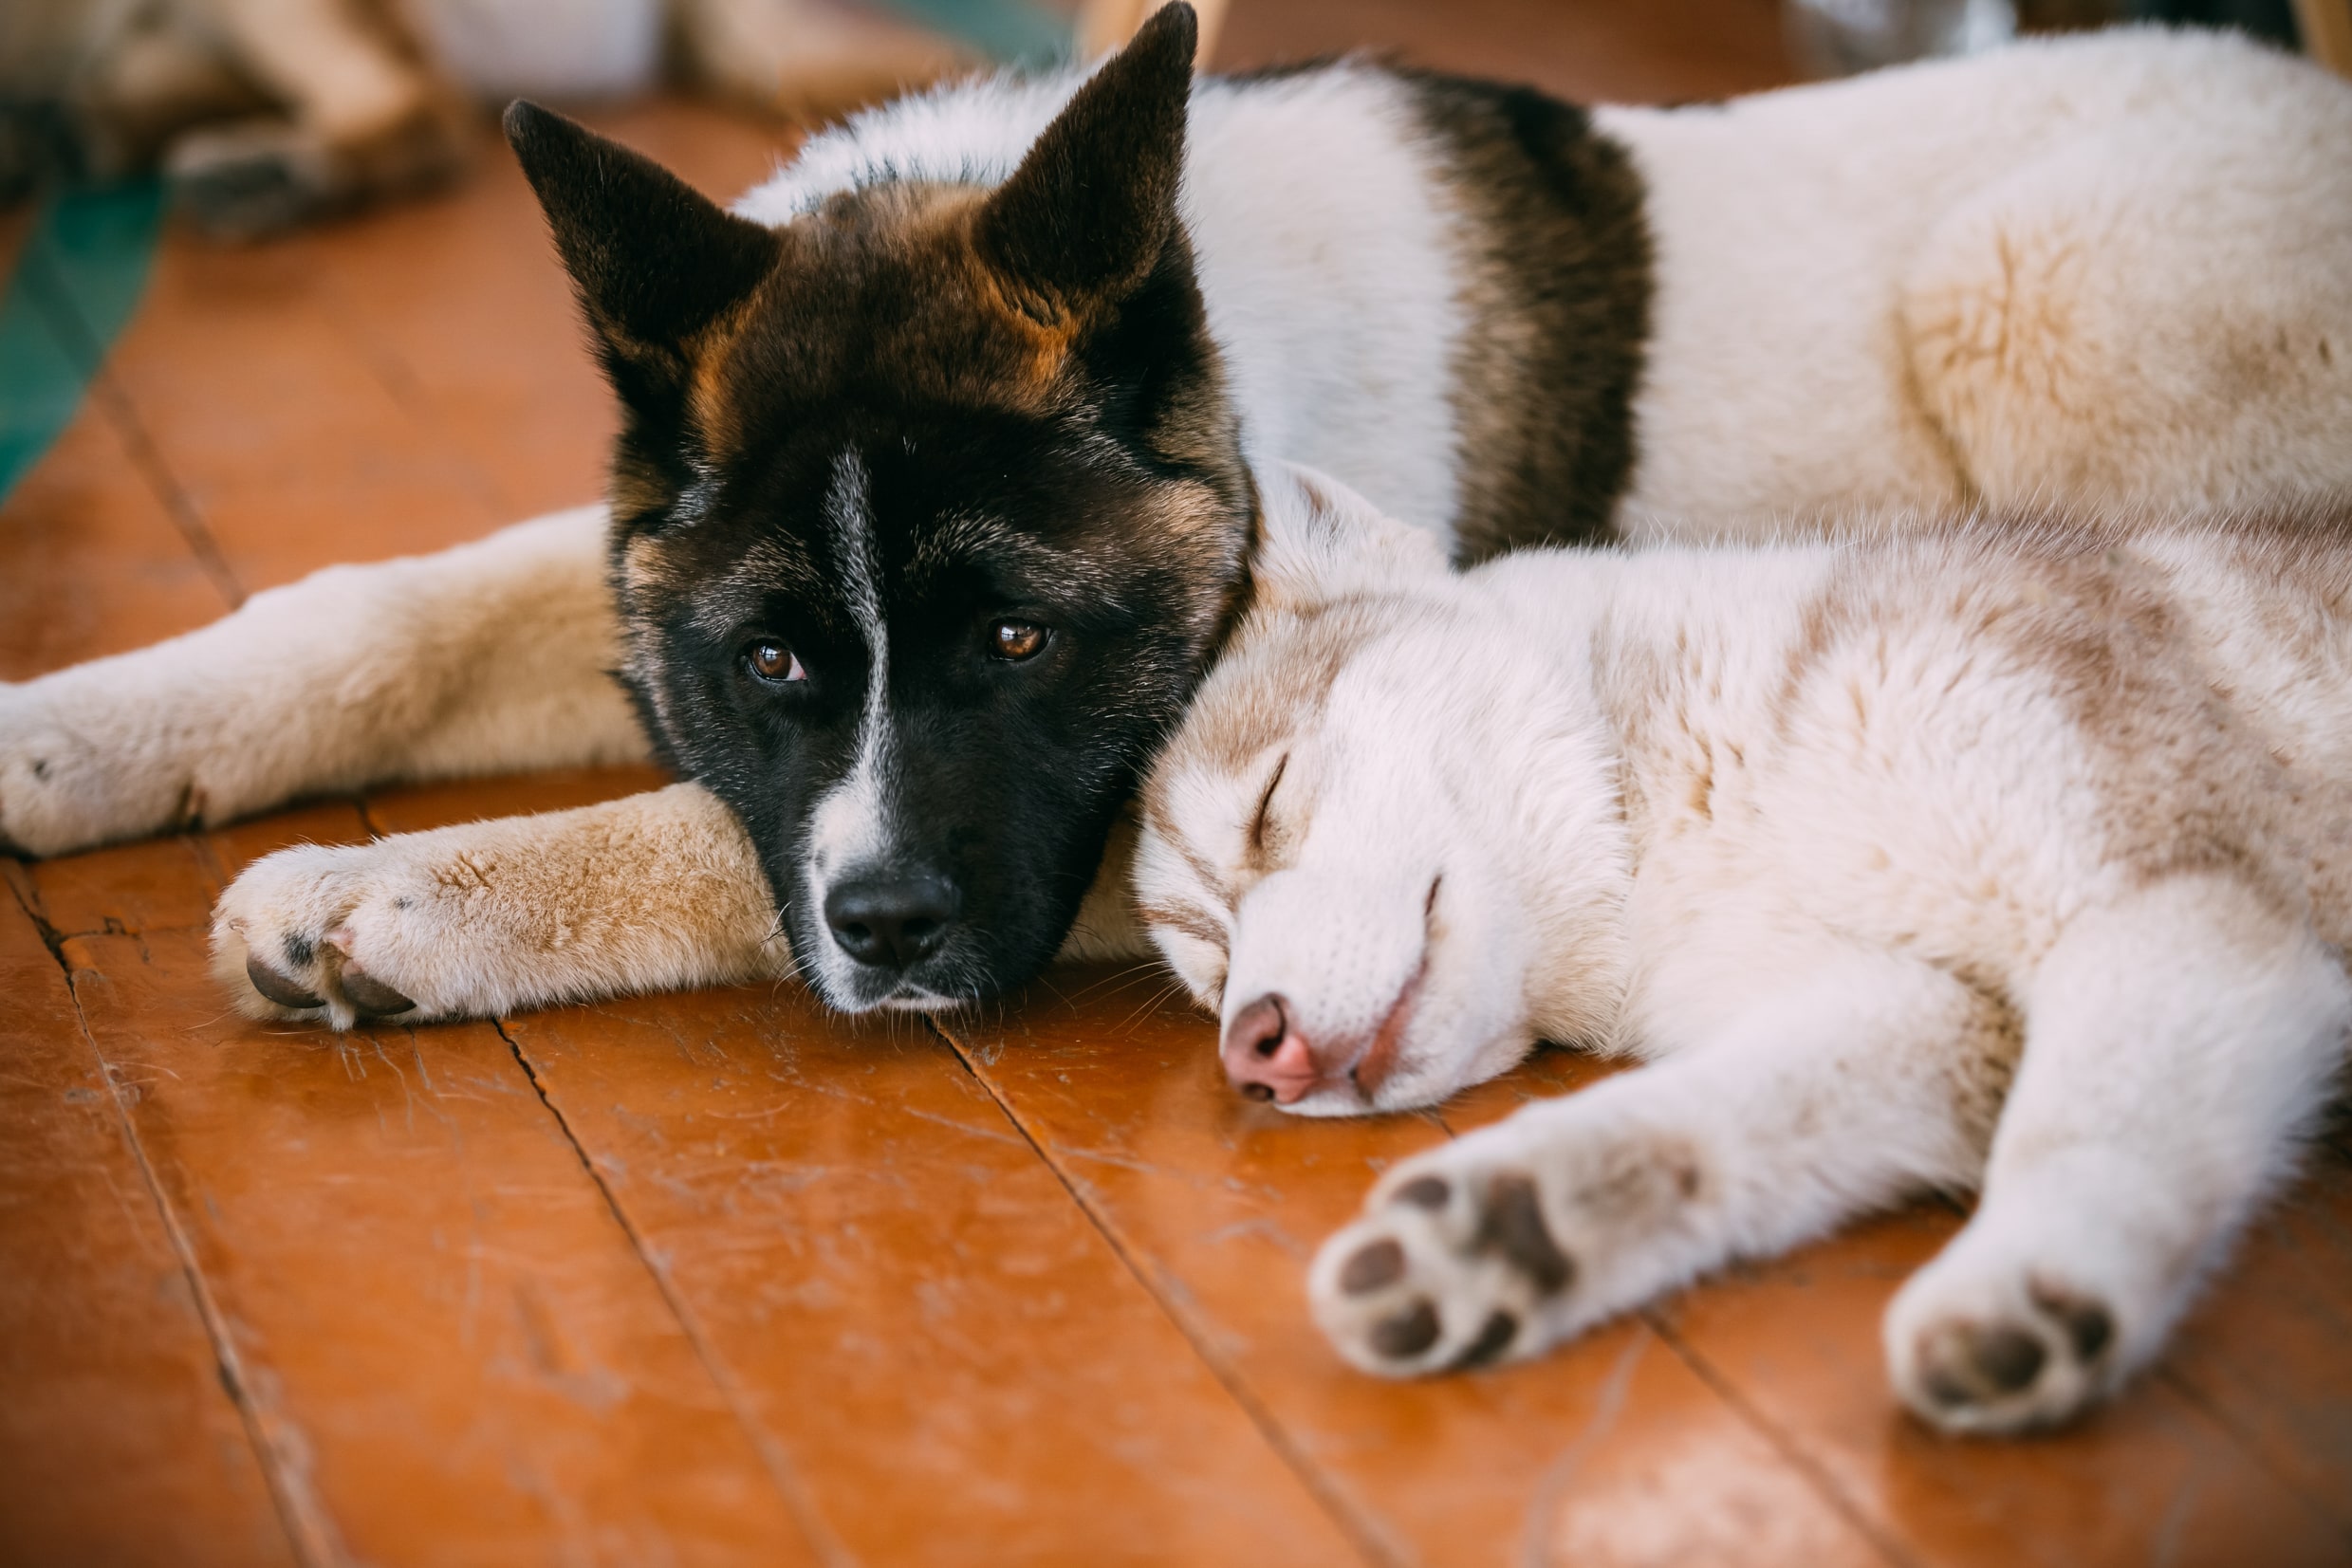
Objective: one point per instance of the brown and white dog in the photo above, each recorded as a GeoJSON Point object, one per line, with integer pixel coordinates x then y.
{"type": "Point", "coordinates": [934, 499]}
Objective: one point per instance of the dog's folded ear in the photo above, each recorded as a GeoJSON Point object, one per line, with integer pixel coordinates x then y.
{"type": "Point", "coordinates": [1319, 541]}
{"type": "Point", "coordinates": [654, 261]}
{"type": "Point", "coordinates": [1087, 214]}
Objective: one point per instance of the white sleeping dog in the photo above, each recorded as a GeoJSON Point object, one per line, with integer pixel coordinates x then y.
{"type": "Point", "coordinates": [2015, 859]}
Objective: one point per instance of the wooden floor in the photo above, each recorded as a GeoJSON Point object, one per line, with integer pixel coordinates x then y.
{"type": "Point", "coordinates": [720, 1277]}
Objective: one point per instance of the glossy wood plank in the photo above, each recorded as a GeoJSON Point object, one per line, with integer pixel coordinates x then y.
{"type": "Point", "coordinates": [283, 436]}
{"type": "Point", "coordinates": [2270, 1355]}
{"type": "Point", "coordinates": [453, 1349]}
{"type": "Point", "coordinates": [458, 309]}
{"type": "Point", "coordinates": [1586, 51]}
{"type": "Point", "coordinates": [119, 1441]}
{"type": "Point", "coordinates": [90, 560]}
{"type": "Point", "coordinates": [2150, 1478]}
{"type": "Point", "coordinates": [1612, 1451]}
{"type": "Point", "coordinates": [905, 1295]}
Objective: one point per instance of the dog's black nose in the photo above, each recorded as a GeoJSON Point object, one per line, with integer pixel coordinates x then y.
{"type": "Point", "coordinates": [892, 921]}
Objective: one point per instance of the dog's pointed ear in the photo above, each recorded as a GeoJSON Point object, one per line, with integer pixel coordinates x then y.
{"type": "Point", "coordinates": [1084, 219]}
{"type": "Point", "coordinates": [654, 261]}
{"type": "Point", "coordinates": [1320, 540]}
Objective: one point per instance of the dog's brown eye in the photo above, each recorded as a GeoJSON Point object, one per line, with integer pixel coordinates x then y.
{"type": "Point", "coordinates": [774, 661]}
{"type": "Point", "coordinates": [1017, 640]}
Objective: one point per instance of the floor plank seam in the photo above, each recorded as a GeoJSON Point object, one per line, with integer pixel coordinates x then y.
{"type": "Point", "coordinates": [828, 1547]}
{"type": "Point", "coordinates": [178, 504]}
{"type": "Point", "coordinates": [1363, 1531]}
{"type": "Point", "coordinates": [67, 322]}
{"type": "Point", "coordinates": [1845, 1507]}
{"type": "Point", "coordinates": [29, 899]}
{"type": "Point", "coordinates": [390, 371]}
{"type": "Point", "coordinates": [2197, 1399]}
{"type": "Point", "coordinates": [310, 1530]}
{"type": "Point", "coordinates": [115, 401]}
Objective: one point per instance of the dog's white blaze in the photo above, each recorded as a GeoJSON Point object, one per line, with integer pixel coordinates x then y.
{"type": "Point", "coordinates": [851, 823]}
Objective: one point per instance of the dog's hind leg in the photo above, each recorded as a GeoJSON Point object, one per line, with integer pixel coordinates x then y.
{"type": "Point", "coordinates": [2175, 1040]}
{"type": "Point", "coordinates": [654, 892]}
{"type": "Point", "coordinates": [488, 657]}
{"type": "Point", "coordinates": [1875, 1077]}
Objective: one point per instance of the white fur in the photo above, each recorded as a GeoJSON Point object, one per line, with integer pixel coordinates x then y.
{"type": "Point", "coordinates": [852, 823]}
{"type": "Point", "coordinates": [1828, 833]}
{"type": "Point", "coordinates": [485, 658]}
{"type": "Point", "coordinates": [2105, 269]}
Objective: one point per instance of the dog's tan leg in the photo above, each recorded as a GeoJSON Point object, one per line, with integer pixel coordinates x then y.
{"type": "Point", "coordinates": [485, 659]}
{"type": "Point", "coordinates": [652, 892]}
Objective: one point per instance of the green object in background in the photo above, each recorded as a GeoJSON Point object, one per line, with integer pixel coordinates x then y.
{"type": "Point", "coordinates": [76, 280]}
{"type": "Point", "coordinates": [1011, 31]}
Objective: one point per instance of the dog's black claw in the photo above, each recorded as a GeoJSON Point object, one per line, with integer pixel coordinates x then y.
{"type": "Point", "coordinates": [372, 997]}
{"type": "Point", "coordinates": [277, 988]}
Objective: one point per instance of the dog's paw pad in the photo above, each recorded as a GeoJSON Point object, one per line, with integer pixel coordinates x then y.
{"type": "Point", "coordinates": [2035, 1364]}
{"type": "Point", "coordinates": [1407, 1333]}
{"type": "Point", "coordinates": [1443, 1274]}
{"type": "Point", "coordinates": [1372, 1265]}
{"type": "Point", "coordinates": [2090, 1327]}
{"type": "Point", "coordinates": [1425, 1193]}
{"type": "Point", "coordinates": [1510, 1224]}
{"type": "Point", "coordinates": [1964, 1363]}
{"type": "Point", "coordinates": [1493, 1341]}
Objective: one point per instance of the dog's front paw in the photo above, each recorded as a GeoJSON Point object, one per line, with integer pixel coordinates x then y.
{"type": "Point", "coordinates": [69, 780]}
{"type": "Point", "coordinates": [1455, 1267]}
{"type": "Point", "coordinates": [1516, 1237]}
{"type": "Point", "coordinates": [1979, 1344]}
{"type": "Point", "coordinates": [324, 933]}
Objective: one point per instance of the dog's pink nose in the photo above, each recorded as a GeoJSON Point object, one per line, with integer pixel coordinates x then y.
{"type": "Point", "coordinates": [1265, 1057]}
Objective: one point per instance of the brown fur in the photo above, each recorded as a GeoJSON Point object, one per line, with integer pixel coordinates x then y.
{"type": "Point", "coordinates": [1559, 310]}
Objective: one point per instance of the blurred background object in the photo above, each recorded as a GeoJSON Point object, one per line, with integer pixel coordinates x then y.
{"type": "Point", "coordinates": [1840, 37]}
{"type": "Point", "coordinates": [263, 115]}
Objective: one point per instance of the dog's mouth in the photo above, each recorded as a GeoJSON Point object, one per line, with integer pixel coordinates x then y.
{"type": "Point", "coordinates": [1378, 1061]}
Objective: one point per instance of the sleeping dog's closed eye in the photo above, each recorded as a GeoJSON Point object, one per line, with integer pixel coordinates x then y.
{"type": "Point", "coordinates": [1259, 819]}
